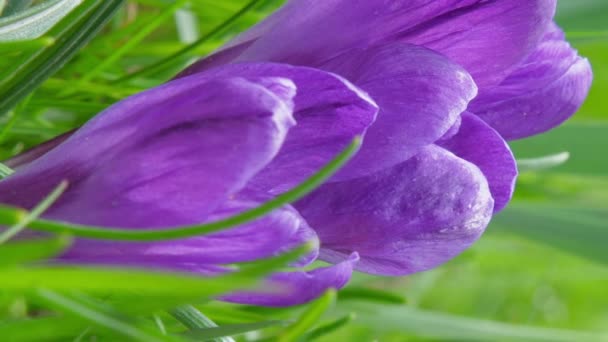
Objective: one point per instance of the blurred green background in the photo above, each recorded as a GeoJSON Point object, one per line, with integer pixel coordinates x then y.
{"type": "Point", "coordinates": [540, 273]}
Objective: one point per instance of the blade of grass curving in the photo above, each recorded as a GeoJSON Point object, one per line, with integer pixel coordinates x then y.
{"type": "Point", "coordinates": [230, 330]}
{"type": "Point", "coordinates": [542, 163]}
{"type": "Point", "coordinates": [171, 60]}
{"type": "Point", "coordinates": [409, 321]}
{"type": "Point", "coordinates": [5, 171]}
{"type": "Point", "coordinates": [370, 295]}
{"type": "Point", "coordinates": [329, 328]}
{"type": "Point", "coordinates": [34, 213]}
{"type": "Point", "coordinates": [8, 215]}
{"type": "Point", "coordinates": [165, 14]}
{"type": "Point", "coordinates": [572, 229]}
{"type": "Point", "coordinates": [98, 317]}
{"type": "Point", "coordinates": [20, 22]}
{"type": "Point", "coordinates": [192, 318]}
{"type": "Point", "coordinates": [32, 250]}
{"type": "Point", "coordinates": [25, 45]}
{"type": "Point", "coordinates": [129, 282]}
{"type": "Point", "coordinates": [309, 318]}
{"type": "Point", "coordinates": [49, 328]}
{"type": "Point", "coordinates": [71, 33]}
{"type": "Point", "coordinates": [13, 7]}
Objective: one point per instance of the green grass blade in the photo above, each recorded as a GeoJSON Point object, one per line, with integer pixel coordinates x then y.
{"type": "Point", "coordinates": [25, 45]}
{"type": "Point", "coordinates": [230, 330]}
{"type": "Point", "coordinates": [97, 317]}
{"type": "Point", "coordinates": [33, 330]}
{"type": "Point", "coordinates": [439, 326]}
{"type": "Point", "coordinates": [580, 231]}
{"type": "Point", "coordinates": [192, 318]}
{"type": "Point", "coordinates": [73, 32]}
{"type": "Point", "coordinates": [34, 213]}
{"type": "Point", "coordinates": [7, 215]}
{"type": "Point", "coordinates": [370, 295]}
{"type": "Point", "coordinates": [171, 60]}
{"type": "Point", "coordinates": [329, 328]}
{"type": "Point", "coordinates": [542, 163]}
{"type": "Point", "coordinates": [19, 23]}
{"type": "Point", "coordinates": [136, 39]}
{"type": "Point", "coordinates": [309, 318]}
{"type": "Point", "coordinates": [132, 281]}
{"type": "Point", "coordinates": [32, 250]}
{"type": "Point", "coordinates": [5, 171]}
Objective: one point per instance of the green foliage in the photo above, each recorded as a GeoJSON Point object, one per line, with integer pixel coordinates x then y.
{"type": "Point", "coordinates": [539, 274]}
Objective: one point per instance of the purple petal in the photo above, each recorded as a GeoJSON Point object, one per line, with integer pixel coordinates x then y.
{"type": "Point", "coordinates": [544, 91]}
{"type": "Point", "coordinates": [420, 94]}
{"type": "Point", "coordinates": [410, 218]}
{"type": "Point", "coordinates": [330, 113]}
{"type": "Point", "coordinates": [487, 37]}
{"type": "Point", "coordinates": [294, 288]}
{"type": "Point", "coordinates": [277, 232]}
{"type": "Point", "coordinates": [481, 145]}
{"type": "Point", "coordinates": [165, 157]}
{"type": "Point", "coordinates": [36, 152]}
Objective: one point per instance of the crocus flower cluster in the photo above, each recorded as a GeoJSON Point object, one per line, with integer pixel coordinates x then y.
{"type": "Point", "coordinates": [434, 86]}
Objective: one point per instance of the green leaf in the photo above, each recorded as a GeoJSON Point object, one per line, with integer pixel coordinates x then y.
{"type": "Point", "coordinates": [20, 24]}
{"type": "Point", "coordinates": [230, 330]}
{"type": "Point", "coordinates": [51, 328]}
{"type": "Point", "coordinates": [137, 282]}
{"type": "Point", "coordinates": [582, 140]}
{"type": "Point", "coordinates": [100, 317]}
{"type": "Point", "coordinates": [5, 171]}
{"type": "Point", "coordinates": [40, 208]}
{"type": "Point", "coordinates": [175, 58]}
{"type": "Point", "coordinates": [32, 250]}
{"type": "Point", "coordinates": [9, 216]}
{"type": "Point", "coordinates": [370, 295]}
{"type": "Point", "coordinates": [18, 46]}
{"type": "Point", "coordinates": [581, 231]}
{"type": "Point", "coordinates": [542, 163]}
{"type": "Point", "coordinates": [434, 325]}
{"type": "Point", "coordinates": [189, 316]}
{"type": "Point", "coordinates": [309, 318]}
{"type": "Point", "coordinates": [71, 33]}
{"type": "Point", "coordinates": [329, 328]}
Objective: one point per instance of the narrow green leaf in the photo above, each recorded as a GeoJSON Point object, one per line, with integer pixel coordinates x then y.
{"type": "Point", "coordinates": [230, 330]}
{"type": "Point", "coordinates": [20, 24]}
{"type": "Point", "coordinates": [20, 45]}
{"type": "Point", "coordinates": [542, 163]}
{"type": "Point", "coordinates": [370, 295]}
{"type": "Point", "coordinates": [7, 214]}
{"type": "Point", "coordinates": [433, 325]}
{"type": "Point", "coordinates": [33, 250]}
{"type": "Point", "coordinates": [156, 21]}
{"type": "Point", "coordinates": [580, 231]}
{"type": "Point", "coordinates": [581, 139]}
{"type": "Point", "coordinates": [145, 283]}
{"type": "Point", "coordinates": [192, 318]}
{"type": "Point", "coordinates": [5, 171]}
{"type": "Point", "coordinates": [172, 59]}
{"type": "Point", "coordinates": [329, 328]}
{"type": "Point", "coordinates": [51, 328]}
{"type": "Point", "coordinates": [71, 33]}
{"type": "Point", "coordinates": [34, 213]}
{"type": "Point", "coordinates": [97, 317]}
{"type": "Point", "coordinates": [309, 318]}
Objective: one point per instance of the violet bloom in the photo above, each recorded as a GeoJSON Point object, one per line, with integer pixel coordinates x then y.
{"type": "Point", "coordinates": [451, 80]}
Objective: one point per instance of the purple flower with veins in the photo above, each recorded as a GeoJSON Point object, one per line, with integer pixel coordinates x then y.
{"type": "Point", "coordinates": [435, 86]}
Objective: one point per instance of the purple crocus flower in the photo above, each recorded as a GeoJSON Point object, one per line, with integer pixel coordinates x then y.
{"type": "Point", "coordinates": [448, 80]}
